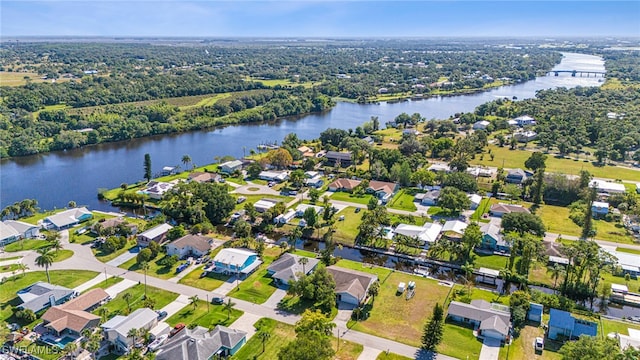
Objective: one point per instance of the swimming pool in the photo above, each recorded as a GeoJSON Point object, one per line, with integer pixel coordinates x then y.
{"type": "Point", "coordinates": [61, 342]}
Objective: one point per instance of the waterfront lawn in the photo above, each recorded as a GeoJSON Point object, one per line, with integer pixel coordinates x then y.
{"type": "Point", "coordinates": [155, 269]}
{"type": "Point", "coordinates": [27, 244]}
{"type": "Point", "coordinates": [497, 262]}
{"type": "Point", "coordinates": [205, 315]}
{"type": "Point", "coordinates": [210, 282]}
{"type": "Point", "coordinates": [391, 356]}
{"type": "Point", "coordinates": [62, 255]}
{"type": "Point", "coordinates": [106, 256]}
{"type": "Point", "coordinates": [403, 200]}
{"type": "Point", "coordinates": [348, 197]}
{"type": "Point", "coordinates": [382, 272]}
{"type": "Point", "coordinates": [118, 306]}
{"type": "Point", "coordinates": [613, 326]}
{"type": "Point", "coordinates": [347, 230]}
{"type": "Point", "coordinates": [556, 219]}
{"type": "Point", "coordinates": [458, 341]}
{"type": "Point", "coordinates": [389, 312]}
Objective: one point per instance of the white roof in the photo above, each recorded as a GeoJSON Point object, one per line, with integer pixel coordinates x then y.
{"type": "Point", "coordinates": [303, 207]}
{"type": "Point", "coordinates": [439, 167]}
{"type": "Point", "coordinates": [600, 204]}
{"type": "Point", "coordinates": [427, 233]}
{"type": "Point", "coordinates": [558, 260]}
{"type": "Point", "coordinates": [7, 231]}
{"type": "Point", "coordinates": [475, 198]}
{"type": "Point", "coordinates": [168, 168]}
{"type": "Point", "coordinates": [607, 186]}
{"type": "Point", "coordinates": [232, 163]}
{"type": "Point", "coordinates": [233, 256]}
{"type": "Point", "coordinates": [137, 319]}
{"type": "Point", "coordinates": [274, 174]}
{"type": "Point", "coordinates": [20, 226]}
{"type": "Point", "coordinates": [67, 217]}
{"type": "Point", "coordinates": [264, 204]}
{"type": "Point", "coordinates": [156, 231]}
{"type": "Point", "coordinates": [456, 226]}
{"type": "Point", "coordinates": [482, 122]}
{"type": "Point", "coordinates": [619, 288]}
{"type": "Point", "coordinates": [490, 272]}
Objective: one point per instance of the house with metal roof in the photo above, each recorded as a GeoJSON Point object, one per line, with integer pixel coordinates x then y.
{"type": "Point", "coordinates": [68, 218]}
{"type": "Point", "coordinates": [156, 234]}
{"type": "Point", "coordinates": [563, 324]}
{"type": "Point", "coordinates": [351, 285]}
{"type": "Point", "coordinates": [289, 268]}
{"type": "Point", "coordinates": [236, 261]}
{"type": "Point", "coordinates": [498, 210]}
{"type": "Point", "coordinates": [43, 295]}
{"type": "Point", "coordinates": [516, 176]}
{"type": "Point", "coordinates": [201, 344]}
{"type": "Point", "coordinates": [491, 320]}
{"type": "Point", "coordinates": [13, 230]}
{"type": "Point", "coordinates": [116, 330]}
{"type": "Point", "coordinates": [335, 157]}
{"type": "Point", "coordinates": [230, 166]}
{"type": "Point", "coordinates": [427, 234]}
{"type": "Point", "coordinates": [607, 187]}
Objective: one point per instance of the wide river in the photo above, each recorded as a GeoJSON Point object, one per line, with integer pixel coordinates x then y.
{"type": "Point", "coordinates": [56, 178]}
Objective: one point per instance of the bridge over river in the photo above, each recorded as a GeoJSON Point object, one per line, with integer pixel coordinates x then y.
{"type": "Point", "coordinates": [575, 72]}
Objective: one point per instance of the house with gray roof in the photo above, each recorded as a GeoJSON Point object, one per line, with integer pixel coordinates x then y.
{"type": "Point", "coordinates": [68, 218]}
{"type": "Point", "coordinates": [335, 157]}
{"type": "Point", "coordinates": [190, 245]}
{"type": "Point", "coordinates": [13, 230]}
{"type": "Point", "coordinates": [116, 330]}
{"type": "Point", "coordinates": [351, 285]}
{"type": "Point", "coordinates": [492, 239]}
{"type": "Point", "coordinates": [491, 320]}
{"type": "Point", "coordinates": [156, 234]}
{"type": "Point", "coordinates": [516, 176]}
{"type": "Point", "coordinates": [230, 166]}
{"type": "Point", "coordinates": [201, 344]}
{"type": "Point", "coordinates": [288, 268]}
{"type": "Point", "coordinates": [43, 295]}
{"type": "Point", "coordinates": [429, 198]}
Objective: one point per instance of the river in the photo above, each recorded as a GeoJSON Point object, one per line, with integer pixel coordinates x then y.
{"type": "Point", "coordinates": [58, 177]}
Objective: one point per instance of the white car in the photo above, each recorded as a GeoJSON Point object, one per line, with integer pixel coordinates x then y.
{"type": "Point", "coordinates": [158, 342]}
{"type": "Point", "coordinates": [539, 344]}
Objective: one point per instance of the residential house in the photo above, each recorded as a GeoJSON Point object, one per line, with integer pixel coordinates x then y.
{"type": "Point", "coordinates": [523, 120]}
{"type": "Point", "coordinates": [203, 177]}
{"type": "Point", "coordinates": [516, 176]}
{"type": "Point", "coordinates": [201, 344]}
{"type": "Point", "coordinates": [315, 182]}
{"type": "Point", "coordinates": [344, 184]}
{"type": "Point", "coordinates": [306, 151]}
{"type": "Point", "coordinates": [74, 316]}
{"type": "Point", "coordinates": [301, 208]}
{"type": "Point", "coordinates": [563, 324]}
{"type": "Point", "coordinates": [607, 188]}
{"type": "Point", "coordinates": [68, 218]}
{"type": "Point", "coordinates": [156, 234]}
{"type": "Point", "coordinates": [429, 198]}
{"type": "Point", "coordinates": [368, 139]}
{"type": "Point", "coordinates": [284, 218]}
{"type": "Point", "coordinates": [475, 200]}
{"type": "Point", "coordinates": [236, 261]}
{"type": "Point", "coordinates": [410, 132]}
{"type": "Point", "coordinates": [427, 234]}
{"type": "Point", "coordinates": [382, 189]}
{"type": "Point", "coordinates": [525, 136]}
{"type": "Point", "coordinates": [116, 330]}
{"type": "Point", "coordinates": [498, 210]}
{"type": "Point", "coordinates": [263, 205]}
{"type": "Point", "coordinates": [13, 230]}
{"type": "Point", "coordinates": [43, 295]}
{"type": "Point", "coordinates": [112, 224]}
{"type": "Point", "coordinates": [481, 125]}
{"type": "Point", "coordinates": [491, 320]}
{"type": "Point", "coordinates": [478, 171]}
{"type": "Point", "coordinates": [190, 245]}
{"type": "Point", "coordinates": [169, 170]}
{"type": "Point", "coordinates": [437, 167]}
{"type": "Point", "coordinates": [535, 312]}
{"type": "Point", "coordinates": [342, 158]}
{"type": "Point", "coordinates": [156, 189]}
{"type": "Point", "coordinates": [351, 285]}
{"type": "Point", "coordinates": [278, 176]}
{"type": "Point", "coordinates": [288, 268]}
{"type": "Point", "coordinates": [487, 276]}
{"type": "Point", "coordinates": [599, 209]}
{"type": "Point", "coordinates": [492, 239]}
{"type": "Point", "coordinates": [454, 229]}
{"type": "Point", "coordinates": [627, 341]}
{"type": "Point", "coordinates": [312, 174]}
{"type": "Point", "coordinates": [230, 167]}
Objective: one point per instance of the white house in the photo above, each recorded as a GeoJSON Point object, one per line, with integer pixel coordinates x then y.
{"type": "Point", "coordinates": [13, 230]}
{"type": "Point", "coordinates": [606, 187]}
{"type": "Point", "coordinates": [263, 205]}
{"type": "Point", "coordinates": [524, 120]}
{"type": "Point", "coordinates": [475, 200]}
{"type": "Point", "coordinates": [284, 218]}
{"type": "Point", "coordinates": [278, 176]}
{"type": "Point", "coordinates": [116, 330]}
{"type": "Point", "coordinates": [440, 167]}
{"type": "Point", "coordinates": [456, 227]}
{"type": "Point", "coordinates": [190, 245]}
{"type": "Point", "coordinates": [526, 136]}
{"type": "Point", "coordinates": [157, 234]}
{"type": "Point", "coordinates": [599, 208]}
{"type": "Point", "coordinates": [236, 261]}
{"type": "Point", "coordinates": [481, 125]}
{"type": "Point", "coordinates": [157, 189]}
{"type": "Point", "coordinates": [230, 166]}
{"type": "Point", "coordinates": [426, 234]}
{"type": "Point", "coordinates": [300, 209]}
{"type": "Point", "coordinates": [67, 218]}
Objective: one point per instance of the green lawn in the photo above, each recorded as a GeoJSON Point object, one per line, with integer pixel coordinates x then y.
{"type": "Point", "coordinates": [556, 219]}
{"type": "Point", "coordinates": [62, 255]}
{"type": "Point", "coordinates": [389, 317]}
{"type": "Point", "coordinates": [459, 342]}
{"type": "Point", "coordinates": [403, 200]}
{"type": "Point", "coordinates": [522, 346]}
{"type": "Point", "coordinates": [205, 315]}
{"type": "Point", "coordinates": [210, 282]}
{"type": "Point", "coordinates": [391, 356]}
{"type": "Point", "coordinates": [496, 262]}
{"type": "Point", "coordinates": [382, 272]}
{"type": "Point", "coordinates": [10, 268]}
{"type": "Point", "coordinates": [348, 197]}
{"type": "Point", "coordinates": [630, 251]}
{"type": "Point", "coordinates": [347, 230]}
{"type": "Point", "coordinates": [155, 269]}
{"type": "Point", "coordinates": [44, 352]}
{"type": "Point", "coordinates": [622, 327]}
{"type": "Point", "coordinates": [257, 288]}
{"type": "Point", "coordinates": [118, 306]}
{"type": "Point", "coordinates": [108, 256]}
{"type": "Point", "coordinates": [483, 208]}
{"type": "Point", "coordinates": [10, 286]}
{"type": "Point", "coordinates": [27, 244]}
{"type": "Point", "coordinates": [104, 284]}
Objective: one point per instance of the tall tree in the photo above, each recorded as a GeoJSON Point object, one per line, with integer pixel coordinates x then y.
{"type": "Point", "coordinates": [229, 306]}
{"type": "Point", "coordinates": [263, 336]}
{"type": "Point", "coordinates": [194, 301]}
{"type": "Point", "coordinates": [147, 167]}
{"type": "Point", "coordinates": [45, 259]}
{"type": "Point", "coordinates": [588, 230]}
{"type": "Point", "coordinates": [186, 159]}
{"type": "Point", "coordinates": [433, 329]}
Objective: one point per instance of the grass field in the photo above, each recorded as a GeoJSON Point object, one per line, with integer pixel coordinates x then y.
{"type": "Point", "coordinates": [105, 284]}
{"type": "Point", "coordinates": [258, 286]}
{"type": "Point", "coordinates": [281, 82]}
{"type": "Point", "coordinates": [459, 342]}
{"type": "Point", "coordinates": [403, 200]}
{"type": "Point", "coordinates": [388, 317]}
{"type": "Point", "coordinates": [26, 244]}
{"type": "Point", "coordinates": [391, 356]}
{"type": "Point", "coordinates": [504, 157]}
{"type": "Point", "coordinates": [348, 197]}
{"type": "Point", "coordinates": [8, 78]}
{"type": "Point", "coordinates": [496, 262]}
{"type": "Point", "coordinates": [630, 251]}
{"type": "Point", "coordinates": [382, 272]}
{"type": "Point", "coordinates": [205, 315]}
{"type": "Point", "coordinates": [62, 255]}
{"type": "Point", "coordinates": [108, 256]}
{"type": "Point", "coordinates": [155, 269]}
{"type": "Point", "coordinates": [210, 282]}
{"type": "Point", "coordinates": [9, 268]}
{"type": "Point", "coordinates": [522, 346]}
{"type": "Point", "coordinates": [347, 230]}
{"type": "Point", "coordinates": [118, 306]}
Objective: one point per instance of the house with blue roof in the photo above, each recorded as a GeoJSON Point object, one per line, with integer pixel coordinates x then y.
{"type": "Point", "coordinates": [535, 312]}
{"type": "Point", "coordinates": [563, 324]}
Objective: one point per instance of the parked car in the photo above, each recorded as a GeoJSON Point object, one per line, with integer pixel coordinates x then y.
{"type": "Point", "coordinates": [176, 329]}
{"type": "Point", "coordinates": [218, 300]}
{"type": "Point", "coordinates": [161, 314]}
{"type": "Point", "coordinates": [539, 344]}
{"type": "Point", "coordinates": [357, 210]}
{"type": "Point", "coordinates": [241, 199]}
{"type": "Point", "coordinates": [181, 268]}
{"type": "Point", "coordinates": [293, 192]}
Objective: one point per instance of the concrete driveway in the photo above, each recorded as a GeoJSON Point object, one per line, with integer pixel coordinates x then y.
{"type": "Point", "coordinates": [123, 285]}
{"type": "Point", "coordinates": [175, 306]}
{"type": "Point", "coordinates": [245, 323]}
{"type": "Point", "coordinates": [490, 349]}
{"type": "Point", "coordinates": [124, 257]}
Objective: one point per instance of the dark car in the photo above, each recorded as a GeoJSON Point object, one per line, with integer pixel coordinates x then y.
{"type": "Point", "coordinates": [161, 314]}
{"type": "Point", "coordinates": [357, 210]}
{"type": "Point", "coordinates": [218, 300]}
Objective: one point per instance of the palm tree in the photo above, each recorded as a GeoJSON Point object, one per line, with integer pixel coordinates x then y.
{"type": "Point", "coordinates": [357, 312]}
{"type": "Point", "coordinates": [22, 267]}
{"type": "Point", "coordinates": [194, 301]}
{"type": "Point", "coordinates": [104, 312]}
{"type": "Point", "coordinates": [468, 271]}
{"type": "Point", "coordinates": [56, 245]}
{"type": "Point", "coordinates": [283, 246]}
{"type": "Point", "coordinates": [70, 349]}
{"type": "Point", "coordinates": [228, 307]}
{"type": "Point", "coordinates": [145, 266]}
{"type": "Point", "coordinates": [556, 272]}
{"type": "Point", "coordinates": [264, 336]}
{"type": "Point", "coordinates": [45, 259]}
{"type": "Point", "coordinates": [373, 291]}
{"type": "Point", "coordinates": [303, 261]}
{"type": "Point", "coordinates": [127, 297]}
{"type": "Point", "coordinates": [186, 159]}
{"type": "Point", "coordinates": [133, 334]}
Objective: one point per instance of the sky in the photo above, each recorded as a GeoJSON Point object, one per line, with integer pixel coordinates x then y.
{"type": "Point", "coordinates": [239, 18]}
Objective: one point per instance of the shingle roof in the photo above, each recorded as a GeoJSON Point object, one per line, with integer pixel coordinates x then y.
{"type": "Point", "coordinates": [495, 323]}
{"type": "Point", "coordinates": [199, 343]}
{"type": "Point", "coordinates": [344, 184]}
{"type": "Point", "coordinates": [87, 300]}
{"type": "Point", "coordinates": [201, 177]}
{"type": "Point", "coordinates": [288, 266]}
{"type": "Point", "coordinates": [338, 155]}
{"type": "Point", "coordinates": [478, 310]}
{"type": "Point", "coordinates": [156, 231]}
{"type": "Point", "coordinates": [355, 283]}
{"type": "Point", "coordinates": [60, 319]}
{"type": "Point", "coordinates": [387, 187]}
{"type": "Point", "coordinates": [199, 242]}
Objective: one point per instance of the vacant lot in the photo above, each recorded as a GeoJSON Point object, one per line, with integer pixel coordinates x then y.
{"type": "Point", "coordinates": [522, 347]}
{"type": "Point", "coordinates": [119, 305]}
{"type": "Point", "coordinates": [205, 315]}
{"type": "Point", "coordinates": [27, 244]}
{"type": "Point", "coordinates": [155, 268]}
{"type": "Point", "coordinates": [403, 200]}
{"type": "Point", "coordinates": [210, 282]}
{"type": "Point", "coordinates": [348, 197]}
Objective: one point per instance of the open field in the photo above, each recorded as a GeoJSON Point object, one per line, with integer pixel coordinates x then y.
{"type": "Point", "coordinates": [118, 306]}
{"type": "Point", "coordinates": [390, 311]}
{"type": "Point", "coordinates": [403, 200]}
{"type": "Point", "coordinates": [347, 230]}
{"type": "Point", "coordinates": [205, 315]}
{"type": "Point", "coordinates": [155, 269]}
{"type": "Point", "coordinates": [26, 244]}
{"type": "Point", "coordinates": [348, 197]}
{"type": "Point", "coordinates": [210, 282]}
{"type": "Point", "coordinates": [62, 255]}
{"type": "Point", "coordinates": [8, 78]}
{"type": "Point", "coordinates": [258, 286]}
{"type": "Point", "coordinates": [522, 346]}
